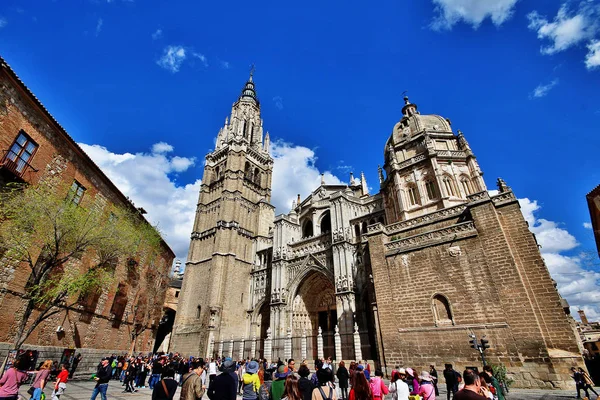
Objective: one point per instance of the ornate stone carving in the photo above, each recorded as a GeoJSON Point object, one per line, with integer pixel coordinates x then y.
{"type": "Point", "coordinates": [480, 196]}
{"type": "Point", "coordinates": [503, 198]}
{"type": "Point", "coordinates": [425, 219]}
{"type": "Point", "coordinates": [344, 283]}
{"type": "Point", "coordinates": [454, 251]}
{"type": "Point", "coordinates": [458, 231]}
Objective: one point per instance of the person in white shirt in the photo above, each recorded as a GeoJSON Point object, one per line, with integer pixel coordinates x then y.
{"type": "Point", "coordinates": [212, 371]}
{"type": "Point", "coordinates": [398, 388]}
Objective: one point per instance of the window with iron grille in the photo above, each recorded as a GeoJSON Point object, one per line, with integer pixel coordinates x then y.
{"type": "Point", "coordinates": [22, 151]}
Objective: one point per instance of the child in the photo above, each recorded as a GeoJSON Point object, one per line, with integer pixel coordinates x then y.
{"type": "Point", "coordinates": [61, 382]}
{"type": "Point", "coordinates": [251, 381]}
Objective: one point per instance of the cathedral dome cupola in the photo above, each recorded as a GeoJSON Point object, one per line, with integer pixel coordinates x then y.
{"type": "Point", "coordinates": [249, 92]}
{"type": "Point", "coordinates": [409, 108]}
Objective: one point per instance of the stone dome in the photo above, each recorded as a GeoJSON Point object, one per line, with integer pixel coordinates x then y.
{"type": "Point", "coordinates": [413, 123]}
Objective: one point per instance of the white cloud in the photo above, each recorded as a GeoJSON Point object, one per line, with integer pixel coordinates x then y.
{"type": "Point", "coordinates": [592, 59]}
{"type": "Point", "coordinates": [473, 12]}
{"type": "Point", "coordinates": [3, 22]}
{"type": "Point", "coordinates": [294, 172]}
{"type": "Point", "coordinates": [570, 28]}
{"type": "Point", "coordinates": [201, 57]}
{"type": "Point", "coordinates": [587, 225]}
{"type": "Point", "coordinates": [172, 58]}
{"type": "Point", "coordinates": [157, 34]}
{"type": "Point", "coordinates": [576, 279]}
{"type": "Point", "coordinates": [161, 147]}
{"type": "Point", "coordinates": [99, 26]}
{"type": "Point", "coordinates": [278, 102]}
{"type": "Point", "coordinates": [224, 64]}
{"type": "Point", "coordinates": [542, 90]}
{"type": "Point", "coordinates": [146, 179]}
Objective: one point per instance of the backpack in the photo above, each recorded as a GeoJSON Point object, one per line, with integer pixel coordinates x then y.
{"type": "Point", "coordinates": [376, 386]}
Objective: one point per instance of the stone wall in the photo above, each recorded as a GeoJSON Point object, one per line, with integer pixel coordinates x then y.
{"type": "Point", "coordinates": [489, 269]}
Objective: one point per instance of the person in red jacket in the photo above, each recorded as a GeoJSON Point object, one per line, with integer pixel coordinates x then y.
{"type": "Point", "coordinates": [361, 390]}
{"type": "Point", "coordinates": [61, 382]}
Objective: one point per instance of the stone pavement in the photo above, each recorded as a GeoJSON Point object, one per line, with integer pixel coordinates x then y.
{"type": "Point", "coordinates": [82, 390]}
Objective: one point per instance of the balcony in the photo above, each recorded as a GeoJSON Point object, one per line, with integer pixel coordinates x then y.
{"type": "Point", "coordinates": [15, 164]}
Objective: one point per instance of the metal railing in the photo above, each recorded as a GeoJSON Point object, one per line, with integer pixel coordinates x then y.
{"type": "Point", "coordinates": [14, 163]}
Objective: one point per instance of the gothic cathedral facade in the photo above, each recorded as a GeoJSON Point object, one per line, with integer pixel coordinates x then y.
{"type": "Point", "coordinates": [400, 277]}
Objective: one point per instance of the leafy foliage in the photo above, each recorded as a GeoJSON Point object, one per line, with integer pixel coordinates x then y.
{"type": "Point", "coordinates": [499, 371]}
{"type": "Point", "coordinates": [71, 249]}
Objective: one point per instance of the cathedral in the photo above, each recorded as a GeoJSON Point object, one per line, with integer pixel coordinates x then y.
{"type": "Point", "coordinates": [402, 277]}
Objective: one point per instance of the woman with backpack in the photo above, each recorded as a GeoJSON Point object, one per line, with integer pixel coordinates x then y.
{"type": "Point", "coordinates": [378, 388]}
{"type": "Point", "coordinates": [324, 390]}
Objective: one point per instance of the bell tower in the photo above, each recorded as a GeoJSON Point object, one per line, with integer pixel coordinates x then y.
{"type": "Point", "coordinates": [232, 223]}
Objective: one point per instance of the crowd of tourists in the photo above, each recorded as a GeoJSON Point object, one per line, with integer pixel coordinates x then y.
{"type": "Point", "coordinates": [226, 379]}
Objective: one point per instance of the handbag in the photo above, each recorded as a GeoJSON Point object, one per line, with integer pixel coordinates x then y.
{"type": "Point", "coordinates": [30, 391]}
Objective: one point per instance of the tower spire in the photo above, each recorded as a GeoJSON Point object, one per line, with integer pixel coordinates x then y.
{"type": "Point", "coordinates": [249, 92]}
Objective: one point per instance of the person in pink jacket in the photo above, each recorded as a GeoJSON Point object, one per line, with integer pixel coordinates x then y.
{"type": "Point", "coordinates": [11, 381]}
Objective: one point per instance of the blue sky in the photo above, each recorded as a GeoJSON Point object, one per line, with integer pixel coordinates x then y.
{"type": "Point", "coordinates": [145, 86]}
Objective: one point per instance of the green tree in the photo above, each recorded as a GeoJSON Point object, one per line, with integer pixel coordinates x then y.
{"type": "Point", "coordinates": [70, 249]}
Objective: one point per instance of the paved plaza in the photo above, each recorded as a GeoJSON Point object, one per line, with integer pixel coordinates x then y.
{"type": "Point", "coordinates": [82, 390]}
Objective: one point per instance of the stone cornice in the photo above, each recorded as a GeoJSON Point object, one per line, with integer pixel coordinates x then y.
{"type": "Point", "coordinates": [426, 219]}
{"type": "Point", "coordinates": [504, 198]}
{"type": "Point", "coordinates": [432, 238]}
{"type": "Point", "coordinates": [490, 325]}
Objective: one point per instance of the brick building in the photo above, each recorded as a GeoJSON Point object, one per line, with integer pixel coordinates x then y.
{"type": "Point", "coordinates": [593, 200]}
{"type": "Point", "coordinates": [400, 277]}
{"type": "Point", "coordinates": [35, 146]}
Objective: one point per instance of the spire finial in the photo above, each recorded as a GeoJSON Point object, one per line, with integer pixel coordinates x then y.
{"type": "Point", "coordinates": [322, 179]}
{"type": "Point", "coordinates": [252, 68]}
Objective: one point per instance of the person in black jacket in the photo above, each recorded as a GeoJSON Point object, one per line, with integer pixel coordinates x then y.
{"type": "Point", "coordinates": [130, 375]}
{"type": "Point", "coordinates": [102, 377]}
{"type": "Point", "coordinates": [305, 386]}
{"type": "Point", "coordinates": [166, 388]}
{"type": "Point", "coordinates": [452, 378]}
{"type": "Point", "coordinates": [343, 377]}
{"type": "Point", "coordinates": [224, 386]}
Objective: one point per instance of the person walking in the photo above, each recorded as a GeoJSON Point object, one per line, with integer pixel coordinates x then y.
{"type": "Point", "coordinates": [587, 382]}
{"type": "Point", "coordinates": [241, 370]}
{"type": "Point", "coordinates": [224, 386]}
{"type": "Point", "coordinates": [398, 388]}
{"type": "Point", "coordinates": [472, 387]}
{"type": "Point", "coordinates": [165, 389]}
{"type": "Point", "coordinates": [157, 369]}
{"type": "Point", "coordinates": [40, 380]}
{"type": "Point", "coordinates": [434, 374]}
{"type": "Point", "coordinates": [11, 381]}
{"type": "Point", "coordinates": [191, 383]}
{"type": "Point", "coordinates": [343, 378]}
{"type": "Point", "coordinates": [102, 378]}
{"type": "Point", "coordinates": [61, 382]}
{"type": "Point", "coordinates": [452, 380]}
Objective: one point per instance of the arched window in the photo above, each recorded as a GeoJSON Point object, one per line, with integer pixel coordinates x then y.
{"type": "Point", "coordinates": [412, 195]}
{"type": "Point", "coordinates": [430, 187]}
{"type": "Point", "coordinates": [380, 219]}
{"type": "Point", "coordinates": [247, 172]}
{"type": "Point", "coordinates": [245, 132]}
{"type": "Point", "coordinates": [466, 185]}
{"type": "Point", "coordinates": [357, 231]}
{"type": "Point", "coordinates": [256, 176]}
{"type": "Point", "coordinates": [449, 186]}
{"type": "Point", "coordinates": [307, 229]}
{"type": "Point", "coordinates": [364, 227]}
{"type": "Point", "coordinates": [217, 173]}
{"type": "Point", "coordinates": [326, 222]}
{"type": "Point", "coordinates": [441, 310]}
{"type": "Point", "coordinates": [198, 310]}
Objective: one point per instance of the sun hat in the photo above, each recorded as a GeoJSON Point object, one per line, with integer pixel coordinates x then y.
{"type": "Point", "coordinates": [282, 372]}
{"type": "Point", "coordinates": [425, 376]}
{"type": "Point", "coordinates": [252, 367]}
{"type": "Point", "coordinates": [402, 371]}
{"type": "Point", "coordinates": [410, 371]}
